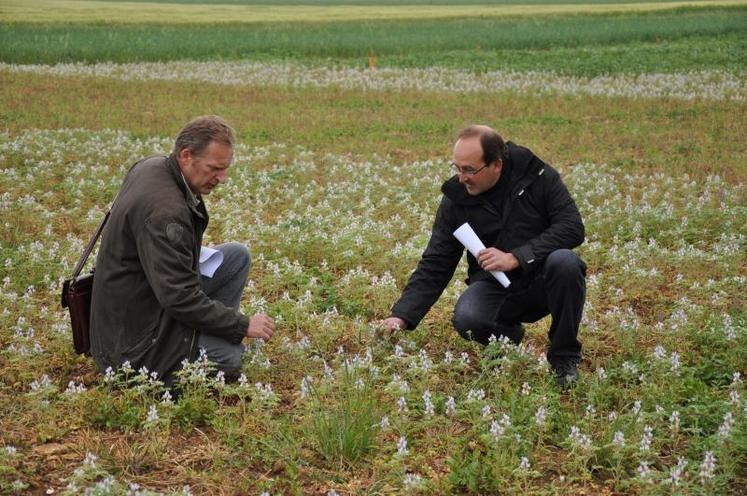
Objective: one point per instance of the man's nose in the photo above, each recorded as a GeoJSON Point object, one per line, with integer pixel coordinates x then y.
{"type": "Point", "coordinates": [462, 178]}
{"type": "Point", "coordinates": [222, 176]}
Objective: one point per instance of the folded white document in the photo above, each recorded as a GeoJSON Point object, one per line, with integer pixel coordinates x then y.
{"type": "Point", "coordinates": [467, 236]}
{"type": "Point", "coordinates": [210, 260]}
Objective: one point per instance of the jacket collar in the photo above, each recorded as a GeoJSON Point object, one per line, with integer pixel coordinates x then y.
{"type": "Point", "coordinates": [521, 165]}
{"type": "Point", "coordinates": [192, 199]}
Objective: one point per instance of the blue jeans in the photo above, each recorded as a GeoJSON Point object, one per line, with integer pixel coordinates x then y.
{"type": "Point", "coordinates": [559, 289]}
{"type": "Point", "coordinates": [226, 286]}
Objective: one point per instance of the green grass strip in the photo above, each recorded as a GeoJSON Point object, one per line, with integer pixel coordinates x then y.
{"type": "Point", "coordinates": [85, 11]}
{"type": "Point", "coordinates": [672, 42]}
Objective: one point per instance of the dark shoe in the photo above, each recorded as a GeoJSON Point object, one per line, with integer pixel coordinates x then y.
{"type": "Point", "coordinates": [566, 373]}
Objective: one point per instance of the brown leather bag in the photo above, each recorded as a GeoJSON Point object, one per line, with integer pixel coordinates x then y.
{"type": "Point", "coordinates": [76, 296]}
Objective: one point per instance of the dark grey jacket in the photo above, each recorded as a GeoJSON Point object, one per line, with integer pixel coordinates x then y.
{"type": "Point", "coordinates": [147, 305]}
{"type": "Point", "coordinates": [539, 216]}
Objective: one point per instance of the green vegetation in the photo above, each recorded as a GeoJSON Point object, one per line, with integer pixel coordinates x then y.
{"type": "Point", "coordinates": [406, 125]}
{"type": "Point", "coordinates": [334, 190]}
{"type": "Point", "coordinates": [399, 2]}
{"type": "Point", "coordinates": [81, 11]}
{"type": "Point", "coordinates": [662, 42]}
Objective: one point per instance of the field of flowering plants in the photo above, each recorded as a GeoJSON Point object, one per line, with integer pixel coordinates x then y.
{"type": "Point", "coordinates": [334, 186]}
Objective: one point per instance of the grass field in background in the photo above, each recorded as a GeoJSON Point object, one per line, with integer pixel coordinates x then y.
{"type": "Point", "coordinates": [697, 138]}
{"type": "Point", "coordinates": [424, 3]}
{"type": "Point", "coordinates": [334, 188]}
{"type": "Point", "coordinates": [663, 42]}
{"type": "Point", "coordinates": [82, 11]}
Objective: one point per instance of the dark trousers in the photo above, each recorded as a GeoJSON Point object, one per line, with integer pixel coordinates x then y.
{"type": "Point", "coordinates": [559, 290]}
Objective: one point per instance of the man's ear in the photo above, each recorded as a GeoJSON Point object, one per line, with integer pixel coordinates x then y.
{"type": "Point", "coordinates": [498, 164]}
{"type": "Point", "coordinates": [183, 156]}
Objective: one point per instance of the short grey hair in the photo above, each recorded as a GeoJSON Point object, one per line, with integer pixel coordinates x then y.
{"type": "Point", "coordinates": [198, 133]}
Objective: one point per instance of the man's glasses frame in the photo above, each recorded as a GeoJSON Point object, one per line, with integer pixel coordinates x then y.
{"type": "Point", "coordinates": [467, 170]}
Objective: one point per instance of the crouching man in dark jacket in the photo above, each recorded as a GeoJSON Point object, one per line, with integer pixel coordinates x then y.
{"type": "Point", "coordinates": [521, 210]}
{"type": "Point", "coordinates": [151, 307]}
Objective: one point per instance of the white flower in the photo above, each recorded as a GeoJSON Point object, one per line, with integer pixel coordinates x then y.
{"type": "Point", "coordinates": [90, 460]}
{"type": "Point", "coordinates": [579, 439]}
{"type": "Point", "coordinates": [328, 372]}
{"type": "Point", "coordinates": [674, 420]}
{"type": "Point", "coordinates": [412, 480]}
{"type": "Point", "coordinates": [450, 406]}
{"type": "Point", "coordinates": [707, 467]}
{"type": "Point", "coordinates": [644, 472]}
{"type": "Point", "coordinates": [152, 415]}
{"type": "Point", "coordinates": [402, 446]}
{"type": "Point", "coordinates": [402, 404]}
{"type": "Point", "coordinates": [384, 424]}
{"type": "Point", "coordinates": [736, 379]}
{"type": "Point", "coordinates": [476, 395]}
{"type": "Point", "coordinates": [496, 429]}
{"type": "Point", "coordinates": [264, 391]}
{"type": "Point", "coordinates": [73, 388]}
{"type": "Point", "coordinates": [540, 415]}
{"type": "Point", "coordinates": [428, 403]}
{"type": "Point", "coordinates": [448, 357]}
{"type": "Point", "coordinates": [724, 429]}
{"type": "Point", "coordinates": [464, 358]}
{"type": "Point", "coordinates": [524, 463]}
{"type": "Point", "coordinates": [674, 360]}
{"type": "Point", "coordinates": [710, 85]}
{"type": "Point", "coordinates": [645, 444]}
{"type": "Point", "coordinates": [676, 472]}
{"type": "Point", "coordinates": [619, 439]}
{"type": "Point", "coordinates": [42, 383]}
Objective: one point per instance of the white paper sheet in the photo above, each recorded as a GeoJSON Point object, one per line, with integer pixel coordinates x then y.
{"type": "Point", "coordinates": [467, 236]}
{"type": "Point", "coordinates": [210, 260]}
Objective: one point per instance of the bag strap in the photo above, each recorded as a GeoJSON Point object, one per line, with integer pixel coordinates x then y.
{"type": "Point", "coordinates": [91, 244]}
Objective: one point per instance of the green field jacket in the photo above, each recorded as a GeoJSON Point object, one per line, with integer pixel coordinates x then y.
{"type": "Point", "coordinates": [538, 217]}
{"type": "Point", "coordinates": [148, 306]}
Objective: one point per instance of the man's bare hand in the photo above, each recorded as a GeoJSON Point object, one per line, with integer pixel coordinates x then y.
{"type": "Point", "coordinates": [492, 259]}
{"type": "Point", "coordinates": [260, 326]}
{"type": "Point", "coordinates": [391, 325]}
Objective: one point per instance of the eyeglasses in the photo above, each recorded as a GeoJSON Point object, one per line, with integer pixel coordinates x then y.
{"type": "Point", "coordinates": [467, 170]}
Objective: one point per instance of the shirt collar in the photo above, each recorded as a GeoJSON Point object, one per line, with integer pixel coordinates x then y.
{"type": "Point", "coordinates": [194, 200]}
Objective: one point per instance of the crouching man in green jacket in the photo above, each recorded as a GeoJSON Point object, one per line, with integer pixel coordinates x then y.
{"type": "Point", "coordinates": [151, 306]}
